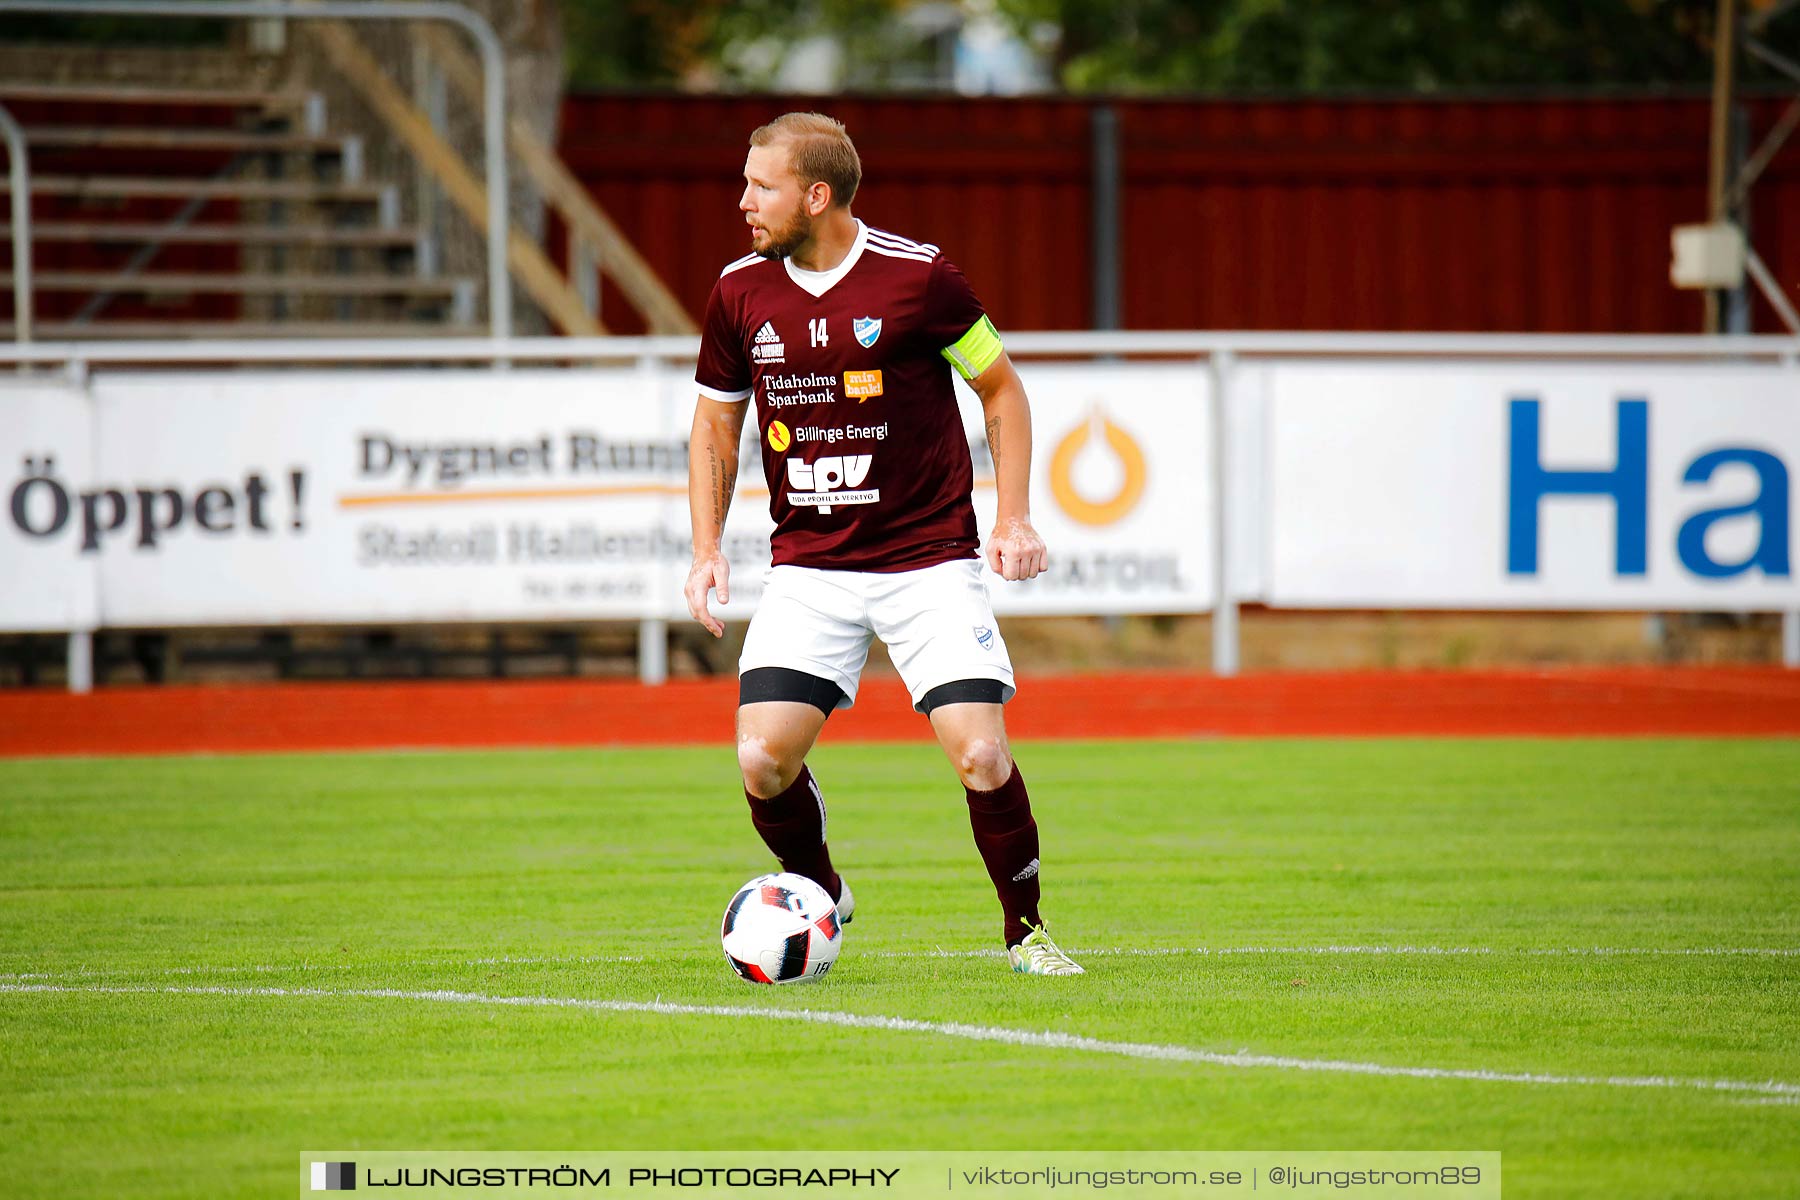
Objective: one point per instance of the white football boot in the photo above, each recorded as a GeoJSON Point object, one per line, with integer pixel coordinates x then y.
{"type": "Point", "coordinates": [846, 901]}
{"type": "Point", "coordinates": [1038, 955]}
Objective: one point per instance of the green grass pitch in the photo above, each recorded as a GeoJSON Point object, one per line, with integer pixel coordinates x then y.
{"type": "Point", "coordinates": [601, 875]}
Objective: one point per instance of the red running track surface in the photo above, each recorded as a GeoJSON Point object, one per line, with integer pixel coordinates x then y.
{"type": "Point", "coordinates": [1733, 702]}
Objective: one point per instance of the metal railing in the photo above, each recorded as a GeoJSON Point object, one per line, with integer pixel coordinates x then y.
{"type": "Point", "coordinates": [1763, 348]}
{"type": "Point", "coordinates": [1216, 352]}
{"type": "Point", "coordinates": [19, 167]}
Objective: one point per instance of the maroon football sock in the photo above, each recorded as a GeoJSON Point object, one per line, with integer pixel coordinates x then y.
{"type": "Point", "coordinates": [792, 825]}
{"type": "Point", "coordinates": [1008, 840]}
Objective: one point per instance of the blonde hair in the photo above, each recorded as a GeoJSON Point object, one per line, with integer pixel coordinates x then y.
{"type": "Point", "coordinates": [820, 150]}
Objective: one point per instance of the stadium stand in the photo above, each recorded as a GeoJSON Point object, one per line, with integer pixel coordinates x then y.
{"type": "Point", "coordinates": [319, 188]}
{"type": "Point", "coordinates": [168, 211]}
{"type": "Point", "coordinates": [316, 186]}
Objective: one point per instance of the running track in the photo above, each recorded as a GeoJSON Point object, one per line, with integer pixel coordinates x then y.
{"type": "Point", "coordinates": [1733, 702]}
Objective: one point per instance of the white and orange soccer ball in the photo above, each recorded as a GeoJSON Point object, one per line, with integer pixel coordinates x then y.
{"type": "Point", "coordinates": [781, 929]}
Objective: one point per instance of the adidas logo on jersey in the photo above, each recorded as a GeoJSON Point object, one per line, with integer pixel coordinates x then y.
{"type": "Point", "coordinates": [769, 347]}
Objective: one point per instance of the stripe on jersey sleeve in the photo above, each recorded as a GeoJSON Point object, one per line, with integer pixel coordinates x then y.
{"type": "Point", "coordinates": [723, 397]}
{"type": "Point", "coordinates": [976, 350]}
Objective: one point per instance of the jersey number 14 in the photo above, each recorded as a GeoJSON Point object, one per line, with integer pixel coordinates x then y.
{"type": "Point", "coordinates": [816, 327]}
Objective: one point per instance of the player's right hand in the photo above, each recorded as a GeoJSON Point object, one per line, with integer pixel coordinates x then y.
{"type": "Point", "coordinates": [708, 572]}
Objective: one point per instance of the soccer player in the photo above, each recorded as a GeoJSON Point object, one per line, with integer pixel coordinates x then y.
{"type": "Point", "coordinates": [845, 336]}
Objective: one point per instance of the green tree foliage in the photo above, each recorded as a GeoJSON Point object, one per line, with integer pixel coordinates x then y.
{"type": "Point", "coordinates": [1401, 45]}
{"type": "Point", "coordinates": [630, 43]}
{"type": "Point", "coordinates": [1179, 45]}
{"type": "Point", "coordinates": [732, 44]}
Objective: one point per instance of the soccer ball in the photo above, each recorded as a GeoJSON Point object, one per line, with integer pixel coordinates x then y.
{"type": "Point", "coordinates": [781, 929]}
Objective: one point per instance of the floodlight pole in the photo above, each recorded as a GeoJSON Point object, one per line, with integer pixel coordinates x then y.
{"type": "Point", "coordinates": [1104, 155]}
{"type": "Point", "coordinates": [493, 132]}
{"type": "Point", "coordinates": [1725, 32]}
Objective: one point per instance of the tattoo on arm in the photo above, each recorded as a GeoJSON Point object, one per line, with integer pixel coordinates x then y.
{"type": "Point", "coordinates": [721, 489]}
{"type": "Point", "coordinates": [993, 438]}
{"type": "Point", "coordinates": [712, 478]}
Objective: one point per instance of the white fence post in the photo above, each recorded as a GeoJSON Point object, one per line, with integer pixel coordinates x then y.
{"type": "Point", "coordinates": [653, 632]}
{"type": "Point", "coordinates": [1225, 611]}
{"type": "Point", "coordinates": [1790, 620]}
{"type": "Point", "coordinates": [653, 650]}
{"type": "Point", "coordinates": [80, 662]}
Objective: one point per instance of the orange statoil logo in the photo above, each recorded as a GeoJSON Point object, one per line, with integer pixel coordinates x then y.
{"type": "Point", "coordinates": [1098, 436]}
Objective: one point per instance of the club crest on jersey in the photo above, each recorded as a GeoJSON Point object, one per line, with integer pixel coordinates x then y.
{"type": "Point", "coordinates": [866, 329]}
{"type": "Point", "coordinates": [985, 637]}
{"type": "Point", "coordinates": [768, 348]}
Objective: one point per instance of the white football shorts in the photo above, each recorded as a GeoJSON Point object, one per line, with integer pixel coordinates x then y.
{"type": "Point", "coordinates": [936, 622]}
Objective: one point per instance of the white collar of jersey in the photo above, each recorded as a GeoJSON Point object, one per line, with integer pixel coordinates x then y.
{"type": "Point", "coordinates": [820, 282]}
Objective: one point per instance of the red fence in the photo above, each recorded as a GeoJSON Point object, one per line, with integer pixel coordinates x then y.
{"type": "Point", "coordinates": [1506, 215]}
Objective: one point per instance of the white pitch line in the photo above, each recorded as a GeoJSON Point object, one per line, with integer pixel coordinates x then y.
{"type": "Point", "coordinates": [497, 960]}
{"type": "Point", "coordinates": [1375, 951]}
{"type": "Point", "coordinates": [1088, 951]}
{"type": "Point", "coordinates": [956, 1029]}
{"type": "Point", "coordinates": [1698, 951]}
{"type": "Point", "coordinates": [302, 967]}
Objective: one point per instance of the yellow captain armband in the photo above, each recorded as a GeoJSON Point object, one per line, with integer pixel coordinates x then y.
{"type": "Point", "coordinates": [976, 350]}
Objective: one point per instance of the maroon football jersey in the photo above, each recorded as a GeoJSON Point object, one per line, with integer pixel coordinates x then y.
{"type": "Point", "coordinates": [863, 445]}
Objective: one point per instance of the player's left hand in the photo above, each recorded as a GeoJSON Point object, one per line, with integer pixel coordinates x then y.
{"type": "Point", "coordinates": [1015, 551]}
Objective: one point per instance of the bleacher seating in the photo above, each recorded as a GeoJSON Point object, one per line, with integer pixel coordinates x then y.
{"type": "Point", "coordinates": [214, 212]}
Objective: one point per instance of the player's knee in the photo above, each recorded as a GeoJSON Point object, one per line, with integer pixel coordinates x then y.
{"type": "Point", "coordinates": [984, 764]}
{"type": "Point", "coordinates": [762, 769]}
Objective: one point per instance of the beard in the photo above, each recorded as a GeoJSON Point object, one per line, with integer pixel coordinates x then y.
{"type": "Point", "coordinates": [785, 239]}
